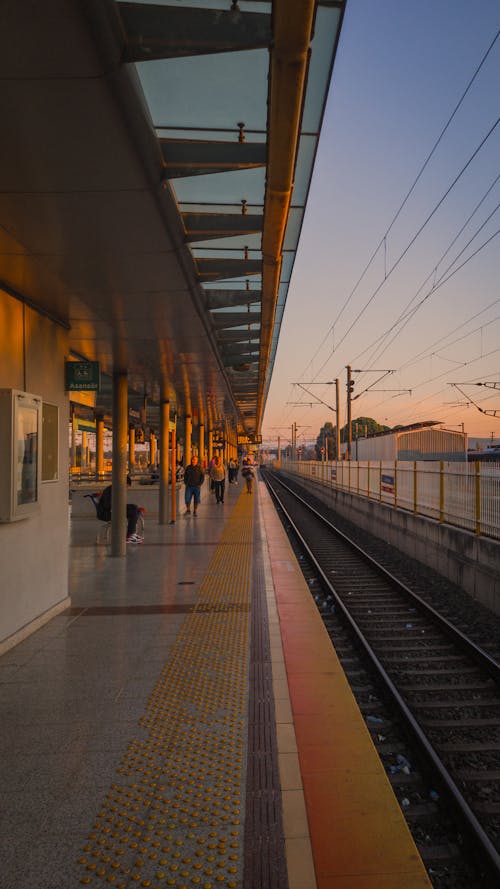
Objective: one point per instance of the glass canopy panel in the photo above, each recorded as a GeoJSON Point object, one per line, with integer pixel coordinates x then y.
{"type": "Point", "coordinates": [245, 5]}
{"type": "Point", "coordinates": [286, 266]}
{"type": "Point", "coordinates": [206, 135]}
{"type": "Point", "coordinates": [237, 242]}
{"type": "Point", "coordinates": [215, 90]}
{"type": "Point", "coordinates": [303, 168]}
{"type": "Point", "coordinates": [253, 309]}
{"type": "Point", "coordinates": [323, 47]}
{"type": "Point", "coordinates": [293, 227]}
{"type": "Point", "coordinates": [231, 283]}
{"type": "Point", "coordinates": [203, 253]}
{"type": "Point", "coordinates": [282, 294]}
{"type": "Point", "coordinates": [233, 187]}
{"type": "Point", "coordinates": [225, 285]}
{"type": "Point", "coordinates": [191, 207]}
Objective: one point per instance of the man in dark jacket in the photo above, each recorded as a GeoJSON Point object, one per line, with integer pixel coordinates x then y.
{"type": "Point", "coordinates": [193, 480]}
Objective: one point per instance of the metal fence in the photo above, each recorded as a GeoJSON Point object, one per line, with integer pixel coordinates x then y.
{"type": "Point", "coordinates": [466, 495]}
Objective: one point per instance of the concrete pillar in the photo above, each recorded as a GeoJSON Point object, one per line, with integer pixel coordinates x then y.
{"type": "Point", "coordinates": [131, 447]}
{"type": "Point", "coordinates": [99, 447]}
{"type": "Point", "coordinates": [188, 432]}
{"type": "Point", "coordinates": [74, 424]}
{"type": "Point", "coordinates": [173, 486]}
{"type": "Point", "coordinates": [119, 474]}
{"type": "Point", "coordinates": [164, 462]}
{"type": "Point", "coordinates": [152, 449]}
{"type": "Point", "coordinates": [201, 445]}
{"type": "Point", "coordinates": [210, 443]}
{"type": "Point", "coordinates": [84, 458]}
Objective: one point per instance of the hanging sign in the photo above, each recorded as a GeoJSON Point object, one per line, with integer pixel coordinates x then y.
{"type": "Point", "coordinates": [83, 376]}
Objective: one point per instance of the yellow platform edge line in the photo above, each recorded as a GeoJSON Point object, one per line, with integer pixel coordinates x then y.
{"type": "Point", "coordinates": [352, 812]}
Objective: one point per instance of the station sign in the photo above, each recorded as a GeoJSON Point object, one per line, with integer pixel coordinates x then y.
{"type": "Point", "coordinates": [82, 376]}
{"type": "Point", "coordinates": [249, 439]}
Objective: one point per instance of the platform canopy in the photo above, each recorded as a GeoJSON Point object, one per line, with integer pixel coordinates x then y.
{"type": "Point", "coordinates": [154, 172]}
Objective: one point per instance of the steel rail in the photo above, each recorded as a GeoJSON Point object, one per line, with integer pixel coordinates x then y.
{"type": "Point", "coordinates": [482, 658]}
{"type": "Point", "coordinates": [490, 858]}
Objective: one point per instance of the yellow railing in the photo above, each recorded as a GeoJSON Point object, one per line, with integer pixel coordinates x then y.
{"type": "Point", "coordinates": [466, 495]}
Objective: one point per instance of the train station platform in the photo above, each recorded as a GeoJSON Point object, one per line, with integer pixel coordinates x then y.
{"type": "Point", "coordinates": [186, 723]}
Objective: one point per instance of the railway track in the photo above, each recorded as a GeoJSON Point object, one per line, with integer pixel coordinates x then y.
{"type": "Point", "coordinates": [444, 688]}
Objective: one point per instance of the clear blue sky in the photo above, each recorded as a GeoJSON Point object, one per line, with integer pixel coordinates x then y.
{"type": "Point", "coordinates": [401, 69]}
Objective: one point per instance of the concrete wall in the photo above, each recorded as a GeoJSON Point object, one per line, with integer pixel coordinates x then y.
{"type": "Point", "coordinates": [469, 561]}
{"type": "Point", "coordinates": [34, 551]}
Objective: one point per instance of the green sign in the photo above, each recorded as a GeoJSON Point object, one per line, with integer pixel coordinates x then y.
{"type": "Point", "coordinates": [83, 376]}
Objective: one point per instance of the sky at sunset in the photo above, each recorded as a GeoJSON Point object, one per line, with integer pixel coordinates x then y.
{"type": "Point", "coordinates": [383, 283]}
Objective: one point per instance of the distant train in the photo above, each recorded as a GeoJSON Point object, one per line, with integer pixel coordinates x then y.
{"type": "Point", "coordinates": [488, 455]}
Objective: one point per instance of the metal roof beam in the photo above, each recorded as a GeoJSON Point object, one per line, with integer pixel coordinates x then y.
{"type": "Point", "coordinates": [190, 157]}
{"type": "Point", "coordinates": [217, 269]}
{"type": "Point", "coordinates": [203, 226]}
{"type": "Point", "coordinates": [238, 359]}
{"type": "Point", "coordinates": [227, 299]}
{"type": "Point", "coordinates": [240, 336]}
{"type": "Point", "coordinates": [169, 32]}
{"type": "Point", "coordinates": [235, 319]}
{"type": "Point", "coordinates": [242, 351]}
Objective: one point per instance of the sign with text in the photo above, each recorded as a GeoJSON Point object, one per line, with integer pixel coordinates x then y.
{"type": "Point", "coordinates": [249, 439]}
{"type": "Point", "coordinates": [388, 483]}
{"type": "Point", "coordinates": [82, 375]}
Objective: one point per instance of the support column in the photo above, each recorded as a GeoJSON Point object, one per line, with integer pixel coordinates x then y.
{"type": "Point", "coordinates": [350, 384]}
{"type": "Point", "coordinates": [337, 414]}
{"type": "Point", "coordinates": [164, 462]}
{"type": "Point", "coordinates": [99, 447]}
{"type": "Point", "coordinates": [210, 443]}
{"type": "Point", "coordinates": [152, 449]}
{"type": "Point", "coordinates": [119, 473]}
{"type": "Point", "coordinates": [201, 446]}
{"type": "Point", "coordinates": [131, 447]}
{"type": "Point", "coordinates": [188, 432]}
{"type": "Point", "coordinates": [173, 486]}
{"type": "Point", "coordinates": [84, 458]}
{"type": "Point", "coordinates": [74, 424]}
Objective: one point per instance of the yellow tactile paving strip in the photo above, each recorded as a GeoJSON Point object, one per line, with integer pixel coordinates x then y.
{"type": "Point", "coordinates": [174, 816]}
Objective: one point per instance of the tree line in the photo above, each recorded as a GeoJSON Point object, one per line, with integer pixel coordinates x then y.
{"type": "Point", "coordinates": [327, 435]}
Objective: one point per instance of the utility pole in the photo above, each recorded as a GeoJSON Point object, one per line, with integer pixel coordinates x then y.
{"type": "Point", "coordinates": [337, 411]}
{"type": "Point", "coordinates": [350, 387]}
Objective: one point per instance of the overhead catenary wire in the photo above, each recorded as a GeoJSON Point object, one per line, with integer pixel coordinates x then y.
{"type": "Point", "coordinates": [433, 273]}
{"type": "Point", "coordinates": [412, 241]}
{"type": "Point", "coordinates": [403, 203]}
{"type": "Point", "coordinates": [405, 319]}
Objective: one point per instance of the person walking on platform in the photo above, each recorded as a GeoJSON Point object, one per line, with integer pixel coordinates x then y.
{"type": "Point", "coordinates": [218, 477]}
{"type": "Point", "coordinates": [104, 513]}
{"type": "Point", "coordinates": [248, 474]}
{"type": "Point", "coordinates": [232, 470]}
{"type": "Point", "coordinates": [193, 480]}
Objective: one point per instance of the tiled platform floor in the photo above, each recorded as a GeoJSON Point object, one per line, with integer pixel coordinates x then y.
{"type": "Point", "coordinates": [73, 694]}
{"type": "Point", "coordinates": [96, 700]}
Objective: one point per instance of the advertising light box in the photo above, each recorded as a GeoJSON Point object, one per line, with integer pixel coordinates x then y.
{"type": "Point", "coordinates": [20, 446]}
